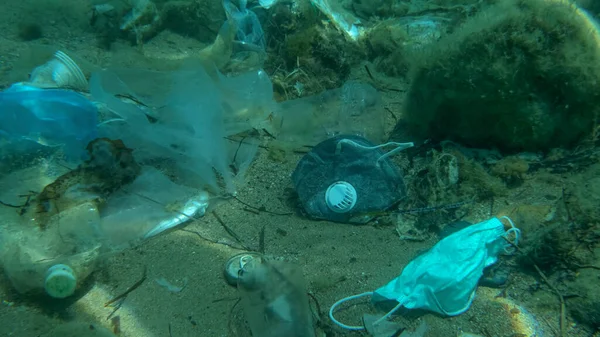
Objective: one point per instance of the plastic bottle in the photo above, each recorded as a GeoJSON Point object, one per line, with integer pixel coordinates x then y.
{"type": "Point", "coordinates": [55, 260]}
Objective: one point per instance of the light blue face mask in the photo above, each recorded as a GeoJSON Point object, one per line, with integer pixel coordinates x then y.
{"type": "Point", "coordinates": [444, 279]}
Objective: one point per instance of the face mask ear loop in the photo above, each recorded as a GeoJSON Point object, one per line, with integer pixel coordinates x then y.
{"type": "Point", "coordinates": [336, 304]}
{"type": "Point", "coordinates": [390, 313]}
{"type": "Point", "coordinates": [338, 147]}
{"type": "Point", "coordinates": [515, 231]}
{"type": "Point", "coordinates": [399, 147]}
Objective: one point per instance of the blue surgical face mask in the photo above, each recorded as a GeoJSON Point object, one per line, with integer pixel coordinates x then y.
{"type": "Point", "coordinates": [444, 279]}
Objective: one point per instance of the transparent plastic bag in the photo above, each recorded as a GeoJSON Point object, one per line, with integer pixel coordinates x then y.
{"type": "Point", "coordinates": [249, 31]}
{"type": "Point", "coordinates": [192, 115]}
{"type": "Point", "coordinates": [354, 109]}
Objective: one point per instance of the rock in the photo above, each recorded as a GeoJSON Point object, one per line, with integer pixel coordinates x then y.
{"type": "Point", "coordinates": [199, 19]}
{"type": "Point", "coordinates": [585, 307]}
{"type": "Point", "coordinates": [519, 76]}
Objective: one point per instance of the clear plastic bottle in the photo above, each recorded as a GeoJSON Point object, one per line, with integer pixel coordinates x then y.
{"type": "Point", "coordinates": [56, 259]}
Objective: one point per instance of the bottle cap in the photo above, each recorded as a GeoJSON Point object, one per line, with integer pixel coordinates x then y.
{"type": "Point", "coordinates": [340, 197]}
{"type": "Point", "coordinates": [60, 281]}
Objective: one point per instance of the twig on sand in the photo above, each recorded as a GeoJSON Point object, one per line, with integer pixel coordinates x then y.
{"type": "Point", "coordinates": [129, 290]}
{"type": "Point", "coordinates": [231, 232]}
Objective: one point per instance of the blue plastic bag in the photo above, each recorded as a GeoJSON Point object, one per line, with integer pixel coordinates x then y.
{"type": "Point", "coordinates": [48, 117]}
{"type": "Point", "coordinates": [249, 31]}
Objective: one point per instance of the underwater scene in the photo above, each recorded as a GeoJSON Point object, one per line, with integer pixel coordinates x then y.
{"type": "Point", "coordinates": [300, 168]}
